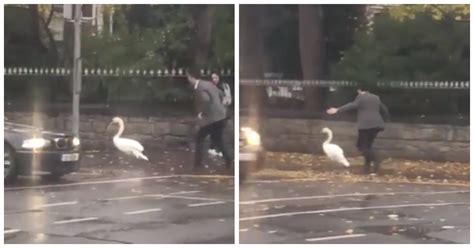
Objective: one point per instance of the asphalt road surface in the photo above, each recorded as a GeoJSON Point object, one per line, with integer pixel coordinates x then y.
{"type": "Point", "coordinates": [146, 210]}
{"type": "Point", "coordinates": [314, 212]}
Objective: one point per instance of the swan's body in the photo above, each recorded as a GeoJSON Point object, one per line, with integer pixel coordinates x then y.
{"type": "Point", "coordinates": [227, 95]}
{"type": "Point", "coordinates": [128, 146]}
{"type": "Point", "coordinates": [333, 151]}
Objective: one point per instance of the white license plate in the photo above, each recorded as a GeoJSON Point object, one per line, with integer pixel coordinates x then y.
{"type": "Point", "coordinates": [70, 157]}
{"type": "Point", "coordinates": [247, 157]}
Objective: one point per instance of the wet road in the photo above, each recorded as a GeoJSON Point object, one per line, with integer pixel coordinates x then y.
{"type": "Point", "coordinates": [158, 209]}
{"type": "Point", "coordinates": [312, 212]}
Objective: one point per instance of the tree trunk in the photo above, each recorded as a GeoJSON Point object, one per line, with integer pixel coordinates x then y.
{"type": "Point", "coordinates": [35, 26]}
{"type": "Point", "coordinates": [203, 37]}
{"type": "Point", "coordinates": [312, 49]}
{"type": "Point", "coordinates": [251, 59]}
{"type": "Point", "coordinates": [53, 48]}
{"type": "Point", "coordinates": [67, 53]}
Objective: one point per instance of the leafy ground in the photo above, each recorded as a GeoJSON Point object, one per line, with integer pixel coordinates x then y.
{"type": "Point", "coordinates": [299, 166]}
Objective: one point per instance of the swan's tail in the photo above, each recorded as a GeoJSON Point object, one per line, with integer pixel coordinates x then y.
{"type": "Point", "coordinates": [140, 155]}
{"type": "Point", "coordinates": [345, 162]}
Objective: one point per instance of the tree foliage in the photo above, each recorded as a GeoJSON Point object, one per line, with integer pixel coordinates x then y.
{"type": "Point", "coordinates": [457, 12]}
{"type": "Point", "coordinates": [143, 37]}
{"type": "Point", "coordinates": [413, 49]}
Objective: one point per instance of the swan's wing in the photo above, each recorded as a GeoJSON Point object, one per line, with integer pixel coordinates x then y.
{"type": "Point", "coordinates": [333, 148]}
{"type": "Point", "coordinates": [334, 151]}
{"type": "Point", "coordinates": [129, 144]}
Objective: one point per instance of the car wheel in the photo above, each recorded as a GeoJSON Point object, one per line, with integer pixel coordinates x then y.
{"type": "Point", "coordinates": [10, 170]}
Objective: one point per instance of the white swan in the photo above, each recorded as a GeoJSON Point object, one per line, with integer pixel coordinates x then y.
{"type": "Point", "coordinates": [227, 95]}
{"type": "Point", "coordinates": [128, 146]}
{"type": "Point", "coordinates": [333, 151]}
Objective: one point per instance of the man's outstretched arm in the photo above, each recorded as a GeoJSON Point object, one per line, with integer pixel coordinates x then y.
{"type": "Point", "coordinates": [347, 107]}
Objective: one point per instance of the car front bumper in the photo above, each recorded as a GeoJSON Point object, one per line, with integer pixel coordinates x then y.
{"type": "Point", "coordinates": [54, 162]}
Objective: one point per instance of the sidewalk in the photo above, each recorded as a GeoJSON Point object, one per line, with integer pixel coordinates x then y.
{"type": "Point", "coordinates": [299, 166]}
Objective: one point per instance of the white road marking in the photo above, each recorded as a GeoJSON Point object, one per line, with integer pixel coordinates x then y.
{"type": "Point", "coordinates": [447, 227]}
{"type": "Point", "coordinates": [349, 195]}
{"type": "Point", "coordinates": [188, 197]}
{"type": "Point", "coordinates": [129, 197]}
{"type": "Point", "coordinates": [358, 181]}
{"type": "Point", "coordinates": [175, 196]}
{"type": "Point", "coordinates": [184, 192]}
{"type": "Point", "coordinates": [144, 211]}
{"type": "Point", "coordinates": [336, 237]}
{"type": "Point", "coordinates": [75, 220]}
{"type": "Point", "coordinates": [350, 209]}
{"type": "Point", "coordinates": [205, 204]}
{"type": "Point", "coordinates": [205, 176]}
{"type": "Point", "coordinates": [57, 204]}
{"type": "Point", "coordinates": [90, 183]}
{"type": "Point", "coordinates": [9, 231]}
{"type": "Point", "coordinates": [243, 230]}
{"type": "Point", "coordinates": [116, 181]}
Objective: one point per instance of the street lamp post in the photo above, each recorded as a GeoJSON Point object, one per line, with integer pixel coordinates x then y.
{"type": "Point", "coordinates": [77, 70]}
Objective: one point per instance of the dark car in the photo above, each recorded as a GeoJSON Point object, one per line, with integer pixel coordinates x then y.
{"type": "Point", "coordinates": [34, 151]}
{"type": "Point", "coordinates": [251, 153]}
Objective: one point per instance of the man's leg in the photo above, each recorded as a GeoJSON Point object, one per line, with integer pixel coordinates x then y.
{"type": "Point", "coordinates": [217, 135]}
{"type": "Point", "coordinates": [201, 136]}
{"type": "Point", "coordinates": [372, 134]}
{"type": "Point", "coordinates": [362, 146]}
{"type": "Point", "coordinates": [213, 146]}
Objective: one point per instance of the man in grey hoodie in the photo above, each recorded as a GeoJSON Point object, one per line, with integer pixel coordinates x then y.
{"type": "Point", "coordinates": [369, 122]}
{"type": "Point", "coordinates": [211, 117]}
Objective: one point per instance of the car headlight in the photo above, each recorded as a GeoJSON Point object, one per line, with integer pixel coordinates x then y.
{"type": "Point", "coordinates": [252, 137]}
{"type": "Point", "coordinates": [76, 141]}
{"type": "Point", "coordinates": [35, 143]}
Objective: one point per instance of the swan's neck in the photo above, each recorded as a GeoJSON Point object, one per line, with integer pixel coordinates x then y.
{"type": "Point", "coordinates": [120, 131]}
{"type": "Point", "coordinates": [329, 137]}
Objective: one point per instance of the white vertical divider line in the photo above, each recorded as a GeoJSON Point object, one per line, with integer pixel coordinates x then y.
{"type": "Point", "coordinates": [237, 123]}
{"type": "Point", "coordinates": [2, 95]}
{"type": "Point", "coordinates": [471, 151]}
